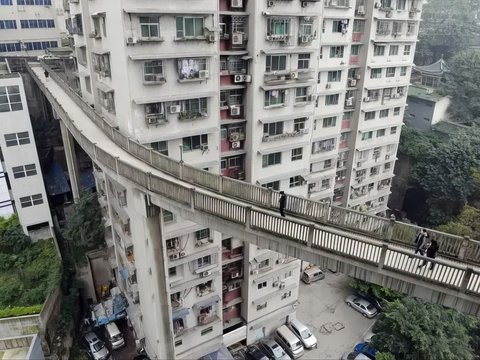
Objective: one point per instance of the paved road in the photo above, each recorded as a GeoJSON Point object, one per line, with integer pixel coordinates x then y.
{"type": "Point", "coordinates": [337, 327]}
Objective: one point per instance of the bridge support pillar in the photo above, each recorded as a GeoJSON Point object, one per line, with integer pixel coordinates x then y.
{"type": "Point", "coordinates": [72, 164]}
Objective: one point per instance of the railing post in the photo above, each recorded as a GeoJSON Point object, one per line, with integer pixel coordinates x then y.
{"type": "Point", "coordinates": [192, 199]}
{"type": "Point", "coordinates": [180, 170]}
{"type": "Point", "coordinates": [248, 216]}
{"type": "Point", "coordinates": [150, 157]}
{"type": "Point", "coordinates": [389, 230]}
{"type": "Point", "coordinates": [326, 212]}
{"type": "Point", "coordinates": [271, 197]}
{"type": "Point", "coordinates": [466, 279]}
{"type": "Point", "coordinates": [311, 229]}
{"type": "Point", "coordinates": [116, 164]}
{"type": "Point", "coordinates": [462, 252]}
{"type": "Point", "coordinates": [383, 256]}
{"type": "Point", "coordinates": [220, 184]}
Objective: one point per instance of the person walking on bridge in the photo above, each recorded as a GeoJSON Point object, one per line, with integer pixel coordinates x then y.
{"type": "Point", "coordinates": [421, 242]}
{"type": "Point", "coordinates": [283, 202]}
{"type": "Point", "coordinates": [431, 253]}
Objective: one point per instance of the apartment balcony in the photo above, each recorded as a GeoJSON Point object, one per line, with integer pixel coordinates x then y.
{"type": "Point", "coordinates": [349, 103]}
{"type": "Point", "coordinates": [232, 254]}
{"type": "Point", "coordinates": [207, 319]}
{"type": "Point", "coordinates": [232, 272]}
{"type": "Point", "coordinates": [293, 134]}
{"type": "Point", "coordinates": [354, 60]}
{"type": "Point", "coordinates": [231, 313]}
{"type": "Point", "coordinates": [343, 144]}
{"type": "Point", "coordinates": [346, 124]}
{"type": "Point", "coordinates": [288, 77]}
{"type": "Point", "coordinates": [232, 5]}
{"type": "Point", "coordinates": [176, 303]}
{"type": "Point", "coordinates": [356, 37]}
{"type": "Point", "coordinates": [232, 112]}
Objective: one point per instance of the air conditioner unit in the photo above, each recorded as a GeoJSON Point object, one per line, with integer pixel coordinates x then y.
{"type": "Point", "coordinates": [238, 79]}
{"type": "Point", "coordinates": [366, 99]}
{"type": "Point", "coordinates": [234, 136]}
{"type": "Point", "coordinates": [151, 120]}
{"type": "Point", "coordinates": [203, 74]}
{"type": "Point", "coordinates": [235, 275]}
{"type": "Point", "coordinates": [304, 3]}
{"type": "Point", "coordinates": [276, 284]}
{"type": "Point", "coordinates": [349, 102]}
{"type": "Point", "coordinates": [388, 14]}
{"type": "Point", "coordinates": [378, 5]}
{"type": "Point", "coordinates": [396, 96]}
{"type": "Point", "coordinates": [182, 254]}
{"type": "Point", "coordinates": [282, 286]}
{"type": "Point", "coordinates": [205, 273]}
{"type": "Point", "coordinates": [237, 39]}
{"type": "Point", "coordinates": [235, 110]}
{"type": "Point", "coordinates": [305, 38]}
{"type": "Point", "coordinates": [235, 144]}
{"type": "Point", "coordinates": [247, 78]}
{"type": "Point", "coordinates": [352, 82]}
{"type": "Point", "coordinates": [328, 86]}
{"type": "Point", "coordinates": [293, 75]}
{"type": "Point", "coordinates": [270, 3]}
{"type": "Point", "coordinates": [236, 3]}
{"type": "Point", "coordinates": [132, 40]}
{"type": "Point", "coordinates": [361, 10]}
{"type": "Point", "coordinates": [358, 77]}
{"type": "Point", "coordinates": [203, 148]}
{"type": "Point", "coordinates": [174, 256]}
{"type": "Point", "coordinates": [174, 109]}
{"type": "Point", "coordinates": [254, 272]}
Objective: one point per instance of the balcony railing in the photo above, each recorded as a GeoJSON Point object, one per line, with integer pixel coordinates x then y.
{"type": "Point", "coordinates": [268, 138]}
{"type": "Point", "coordinates": [356, 37]}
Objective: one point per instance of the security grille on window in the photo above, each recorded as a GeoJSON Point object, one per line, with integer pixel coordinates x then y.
{"type": "Point", "coordinates": [107, 100]}
{"type": "Point", "coordinates": [358, 26]}
{"type": "Point", "coordinates": [10, 99]}
{"type": "Point", "coordinates": [23, 171]}
{"type": "Point", "coordinates": [195, 142]}
{"type": "Point", "coordinates": [306, 28]}
{"type": "Point", "coordinates": [234, 97]}
{"type": "Point", "coordinates": [330, 122]}
{"type": "Point", "coordinates": [278, 27]}
{"type": "Point", "coordinates": [153, 71]}
{"type": "Point", "coordinates": [390, 72]}
{"type": "Point", "coordinates": [376, 74]}
{"type": "Point", "coordinates": [204, 261]}
{"type": "Point", "coordinates": [323, 146]}
{"type": "Point", "coordinates": [192, 68]}
{"type": "Point", "coordinates": [383, 28]}
{"type": "Point", "coordinates": [150, 27]}
{"type": "Point", "coordinates": [336, 51]}
{"type": "Point", "coordinates": [189, 27]}
{"type": "Point", "coordinates": [155, 109]}
{"type": "Point", "coordinates": [203, 234]}
{"type": "Point", "coordinates": [301, 95]}
{"type": "Point", "coordinates": [297, 154]}
{"type": "Point", "coordinates": [15, 139]}
{"type": "Point", "coordinates": [172, 244]}
{"type": "Point", "coordinates": [193, 108]}
{"type": "Point", "coordinates": [296, 181]}
{"type": "Point", "coordinates": [271, 159]}
{"type": "Point", "coordinates": [32, 200]}
{"type": "Point", "coordinates": [303, 61]}
{"type": "Point", "coordinates": [275, 97]}
{"type": "Point", "coordinates": [167, 217]}
{"type": "Point", "coordinates": [334, 76]}
{"type": "Point", "coordinates": [299, 124]}
{"type": "Point", "coordinates": [332, 99]}
{"type": "Point", "coordinates": [236, 65]}
{"type": "Point", "coordinates": [101, 64]}
{"type": "Point", "coordinates": [273, 129]}
{"type": "Point", "coordinates": [397, 28]}
{"type": "Point", "coordinates": [275, 63]}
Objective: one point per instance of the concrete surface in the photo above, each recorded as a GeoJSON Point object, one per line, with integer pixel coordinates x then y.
{"type": "Point", "coordinates": [337, 327]}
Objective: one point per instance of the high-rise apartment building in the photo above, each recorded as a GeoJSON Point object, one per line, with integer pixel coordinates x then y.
{"type": "Point", "coordinates": [301, 96]}
{"type": "Point", "coordinates": [29, 27]}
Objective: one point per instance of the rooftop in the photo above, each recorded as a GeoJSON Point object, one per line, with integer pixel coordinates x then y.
{"type": "Point", "coordinates": [435, 69]}
{"type": "Point", "coordinates": [424, 93]}
{"type": "Point", "coordinates": [448, 127]}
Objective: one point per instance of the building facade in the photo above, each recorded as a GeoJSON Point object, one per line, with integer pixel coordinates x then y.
{"type": "Point", "coordinates": [29, 28]}
{"type": "Point", "coordinates": [301, 96]}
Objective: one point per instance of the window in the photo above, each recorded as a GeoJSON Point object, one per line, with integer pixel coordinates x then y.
{"type": "Point", "coordinates": [262, 306]}
{"type": "Point", "coordinates": [401, 4]}
{"type": "Point", "coordinates": [88, 84]}
{"type": "Point", "coordinates": [380, 133]}
{"type": "Point", "coordinates": [375, 73]}
{"type": "Point", "coordinates": [195, 142]}
{"type": "Point", "coordinates": [189, 27]}
{"type": "Point", "coordinates": [172, 271]}
{"type": "Point", "coordinates": [339, 26]}
{"type": "Point", "coordinates": [406, 49]}
{"type": "Point", "coordinates": [10, 99]}
{"type": "Point", "coordinates": [384, 113]}
{"type": "Point", "coordinates": [297, 154]}
{"type": "Point", "coordinates": [271, 159]}
{"type": "Point", "coordinates": [296, 181]}
{"type": "Point", "coordinates": [9, 2]}
{"type": "Point", "coordinates": [301, 94]}
{"type": "Point", "coordinates": [397, 28]}
{"type": "Point", "coordinates": [261, 285]}
{"type": "Point", "coordinates": [101, 64]}
{"type": "Point", "coordinates": [390, 72]}
{"type": "Point", "coordinates": [22, 171]}
{"type": "Point", "coordinates": [29, 2]}
{"type": "Point", "coordinates": [393, 50]}
{"type": "Point", "coordinates": [303, 61]}
{"type": "Point", "coordinates": [32, 200]}
{"type": "Point", "coordinates": [17, 139]}
{"type": "Point", "coordinates": [10, 24]}
{"type": "Point", "coordinates": [369, 115]}
{"type": "Point", "coordinates": [206, 331]}
{"type": "Point", "coordinates": [275, 97]}
{"type": "Point", "coordinates": [403, 71]}
{"type": "Point", "coordinates": [193, 108]}
{"type": "Point", "coordinates": [379, 50]}
{"type": "Point", "coordinates": [204, 261]}
{"type": "Point", "coordinates": [373, 94]}
{"type": "Point", "coordinates": [178, 343]}
{"type": "Point", "coordinates": [160, 146]}
{"type": "Point", "coordinates": [278, 27]}
{"type": "Point", "coordinates": [305, 28]}
{"type": "Point", "coordinates": [190, 68]}
{"type": "Point", "coordinates": [336, 51]}
{"type": "Point", "coordinates": [202, 234]}
{"type": "Point", "coordinates": [330, 122]}
{"type": "Point", "coordinates": [391, 148]}
{"type": "Point", "coordinates": [274, 185]}
{"type": "Point", "coordinates": [323, 146]}
{"type": "Point", "coordinates": [327, 164]}
{"type": "Point", "coordinates": [172, 243]}
{"type": "Point", "coordinates": [40, 45]}
{"type": "Point", "coordinates": [411, 29]}
{"type": "Point", "coordinates": [272, 129]}
{"type": "Point", "coordinates": [153, 71]}
{"type": "Point", "coordinates": [334, 76]}
{"type": "Point", "coordinates": [367, 135]}
{"type": "Point", "coordinates": [150, 27]}
{"type": "Point", "coordinates": [393, 130]}
{"type": "Point", "coordinates": [10, 47]}
{"type": "Point", "coordinates": [332, 99]}
{"type": "Point", "coordinates": [383, 27]}
{"type": "Point", "coordinates": [325, 184]}
{"type": "Point", "coordinates": [35, 24]}
{"type": "Point", "coordinates": [355, 50]}
{"type": "Point", "coordinates": [299, 124]}
{"type": "Point", "coordinates": [396, 111]}
{"type": "Point", "coordinates": [167, 217]}
{"type": "Point", "coordinates": [276, 63]}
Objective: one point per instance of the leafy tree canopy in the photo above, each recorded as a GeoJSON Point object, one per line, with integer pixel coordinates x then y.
{"type": "Point", "coordinates": [462, 84]}
{"type": "Point", "coordinates": [465, 224]}
{"type": "Point", "coordinates": [384, 356]}
{"type": "Point", "coordinates": [447, 27]}
{"type": "Point", "coordinates": [411, 330]}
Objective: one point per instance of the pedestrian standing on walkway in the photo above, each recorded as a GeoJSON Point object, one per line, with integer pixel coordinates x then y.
{"type": "Point", "coordinates": [431, 253]}
{"type": "Point", "coordinates": [282, 201]}
{"type": "Point", "coordinates": [46, 75]}
{"type": "Point", "coordinates": [420, 242]}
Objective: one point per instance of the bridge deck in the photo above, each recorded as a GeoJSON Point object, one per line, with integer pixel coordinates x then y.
{"type": "Point", "coordinates": [102, 144]}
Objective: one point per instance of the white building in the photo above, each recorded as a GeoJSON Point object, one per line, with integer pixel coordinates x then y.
{"type": "Point", "coordinates": [29, 27]}
{"type": "Point", "coordinates": [20, 158]}
{"type": "Point", "coordinates": [301, 96]}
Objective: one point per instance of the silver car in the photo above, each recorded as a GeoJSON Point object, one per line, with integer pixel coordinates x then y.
{"type": "Point", "coordinates": [362, 306]}
{"type": "Point", "coordinates": [273, 350]}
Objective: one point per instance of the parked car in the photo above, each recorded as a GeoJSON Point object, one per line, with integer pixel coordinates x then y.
{"type": "Point", "coordinates": [365, 348]}
{"type": "Point", "coordinates": [308, 340]}
{"type": "Point", "coordinates": [362, 306]}
{"type": "Point", "coordinates": [114, 336]}
{"type": "Point", "coordinates": [289, 341]}
{"type": "Point", "coordinates": [254, 353]}
{"type": "Point", "coordinates": [97, 347]}
{"type": "Point", "coordinates": [312, 274]}
{"type": "Point", "coordinates": [355, 355]}
{"type": "Point", "coordinates": [274, 351]}
{"type": "Point", "coordinates": [372, 299]}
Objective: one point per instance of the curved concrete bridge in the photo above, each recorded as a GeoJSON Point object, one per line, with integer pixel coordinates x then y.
{"type": "Point", "coordinates": [366, 247]}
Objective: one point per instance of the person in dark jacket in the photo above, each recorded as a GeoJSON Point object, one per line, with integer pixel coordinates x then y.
{"type": "Point", "coordinates": [420, 242]}
{"type": "Point", "coordinates": [282, 201]}
{"type": "Point", "coordinates": [431, 253]}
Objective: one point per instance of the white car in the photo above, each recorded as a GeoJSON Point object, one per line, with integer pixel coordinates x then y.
{"type": "Point", "coordinates": [308, 340]}
{"type": "Point", "coordinates": [273, 350]}
{"type": "Point", "coordinates": [96, 346]}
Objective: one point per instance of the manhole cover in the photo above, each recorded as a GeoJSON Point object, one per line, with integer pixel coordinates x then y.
{"type": "Point", "coordinates": [338, 326]}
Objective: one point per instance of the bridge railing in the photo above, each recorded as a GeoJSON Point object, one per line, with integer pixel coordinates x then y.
{"type": "Point", "coordinates": [378, 227]}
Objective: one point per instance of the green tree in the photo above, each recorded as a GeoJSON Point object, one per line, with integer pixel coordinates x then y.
{"type": "Point", "coordinates": [84, 229]}
{"type": "Point", "coordinates": [411, 330]}
{"type": "Point", "coordinates": [384, 356]}
{"type": "Point", "coordinates": [465, 224]}
{"type": "Point", "coordinates": [447, 28]}
{"type": "Point", "coordinates": [375, 290]}
{"type": "Point", "coordinates": [415, 144]}
{"type": "Point", "coordinates": [462, 84]}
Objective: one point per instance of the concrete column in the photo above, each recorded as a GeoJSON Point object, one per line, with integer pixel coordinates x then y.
{"type": "Point", "coordinates": [70, 156]}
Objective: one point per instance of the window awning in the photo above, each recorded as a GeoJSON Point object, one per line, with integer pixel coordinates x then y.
{"type": "Point", "coordinates": [288, 85]}
{"type": "Point", "coordinates": [160, 56]}
{"type": "Point", "coordinates": [142, 101]}
{"type": "Point", "coordinates": [180, 313]}
{"type": "Point", "coordinates": [283, 148]}
{"type": "Point", "coordinates": [384, 65]}
{"type": "Point", "coordinates": [287, 51]}
{"type": "Point", "coordinates": [103, 87]}
{"type": "Point", "coordinates": [206, 303]}
{"type": "Point", "coordinates": [285, 117]}
{"type": "Point", "coordinates": [165, 11]}
{"type": "Point", "coordinates": [98, 13]}
{"type": "Point", "coordinates": [100, 51]}
{"type": "Point", "coordinates": [283, 175]}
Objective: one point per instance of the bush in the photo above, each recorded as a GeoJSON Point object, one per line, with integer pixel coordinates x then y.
{"type": "Point", "coordinates": [20, 311]}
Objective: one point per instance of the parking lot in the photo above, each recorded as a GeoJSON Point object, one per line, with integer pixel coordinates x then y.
{"type": "Point", "coordinates": [337, 327]}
